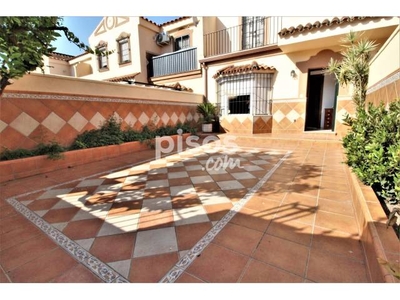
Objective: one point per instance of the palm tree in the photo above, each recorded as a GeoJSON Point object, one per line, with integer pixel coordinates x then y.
{"type": "Point", "coordinates": [354, 67]}
{"type": "Point", "coordinates": [208, 111]}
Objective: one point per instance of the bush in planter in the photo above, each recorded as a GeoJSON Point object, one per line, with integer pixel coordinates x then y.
{"type": "Point", "coordinates": [109, 133]}
{"type": "Point", "coordinates": [373, 149]}
{"type": "Point", "coordinates": [53, 150]}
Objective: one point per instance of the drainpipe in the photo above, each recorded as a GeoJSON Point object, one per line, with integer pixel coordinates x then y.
{"type": "Point", "coordinates": [205, 67]}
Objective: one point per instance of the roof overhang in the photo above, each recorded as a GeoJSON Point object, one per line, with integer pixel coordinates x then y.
{"type": "Point", "coordinates": [125, 78]}
{"type": "Point", "coordinates": [254, 67]}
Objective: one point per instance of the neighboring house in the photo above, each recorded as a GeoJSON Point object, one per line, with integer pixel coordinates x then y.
{"type": "Point", "coordinates": [264, 73]}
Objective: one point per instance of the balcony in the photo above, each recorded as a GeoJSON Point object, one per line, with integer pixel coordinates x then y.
{"type": "Point", "coordinates": [184, 60]}
{"type": "Point", "coordinates": [259, 32]}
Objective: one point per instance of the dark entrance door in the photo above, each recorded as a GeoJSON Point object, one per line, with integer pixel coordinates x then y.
{"type": "Point", "coordinates": [149, 58]}
{"type": "Point", "coordinates": [314, 100]}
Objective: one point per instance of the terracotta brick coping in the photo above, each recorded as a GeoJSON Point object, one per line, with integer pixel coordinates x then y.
{"type": "Point", "coordinates": [377, 240]}
{"type": "Point", "coordinates": [25, 167]}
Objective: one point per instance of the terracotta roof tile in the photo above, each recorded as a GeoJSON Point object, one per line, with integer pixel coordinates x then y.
{"type": "Point", "coordinates": [123, 78]}
{"type": "Point", "coordinates": [175, 20]}
{"type": "Point", "coordinates": [254, 66]}
{"type": "Point", "coordinates": [325, 23]}
{"type": "Point", "coordinates": [148, 20]}
{"type": "Point", "coordinates": [166, 23]}
{"type": "Point", "coordinates": [179, 87]}
{"type": "Point", "coordinates": [61, 56]}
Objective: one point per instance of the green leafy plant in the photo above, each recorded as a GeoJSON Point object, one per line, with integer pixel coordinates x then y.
{"type": "Point", "coordinates": [8, 154]}
{"type": "Point", "coordinates": [354, 67]}
{"type": "Point", "coordinates": [53, 150]}
{"type": "Point", "coordinates": [208, 111]}
{"type": "Point", "coordinates": [372, 148]}
{"type": "Point", "coordinates": [25, 40]}
{"type": "Point", "coordinates": [109, 133]}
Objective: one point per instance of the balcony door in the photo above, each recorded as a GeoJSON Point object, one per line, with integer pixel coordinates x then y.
{"type": "Point", "coordinates": [252, 32]}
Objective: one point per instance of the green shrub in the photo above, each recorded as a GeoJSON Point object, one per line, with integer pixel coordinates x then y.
{"type": "Point", "coordinates": [53, 150]}
{"type": "Point", "coordinates": [131, 135]}
{"type": "Point", "coordinates": [373, 148]}
{"type": "Point", "coordinates": [8, 154]}
{"type": "Point", "coordinates": [109, 133]}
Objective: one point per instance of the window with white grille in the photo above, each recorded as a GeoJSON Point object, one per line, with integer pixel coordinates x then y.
{"type": "Point", "coordinates": [245, 94]}
{"type": "Point", "coordinates": [124, 51]}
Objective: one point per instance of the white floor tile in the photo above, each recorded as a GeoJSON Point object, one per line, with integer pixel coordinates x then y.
{"type": "Point", "coordinates": [163, 203]}
{"type": "Point", "coordinates": [213, 197]}
{"type": "Point", "coordinates": [85, 243]}
{"type": "Point", "coordinates": [182, 190]}
{"type": "Point", "coordinates": [119, 224]}
{"type": "Point", "coordinates": [157, 241]}
{"type": "Point", "coordinates": [230, 185]}
{"type": "Point", "coordinates": [242, 175]}
{"type": "Point", "coordinates": [153, 184]}
{"type": "Point", "coordinates": [173, 175]}
{"type": "Point", "coordinates": [190, 215]}
{"type": "Point", "coordinates": [122, 267]}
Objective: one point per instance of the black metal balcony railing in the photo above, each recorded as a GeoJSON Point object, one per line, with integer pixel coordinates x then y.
{"type": "Point", "coordinates": [261, 31]}
{"type": "Point", "coordinates": [184, 60]}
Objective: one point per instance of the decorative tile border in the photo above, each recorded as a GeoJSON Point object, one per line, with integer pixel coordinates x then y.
{"type": "Point", "coordinates": [197, 249]}
{"type": "Point", "coordinates": [384, 83]}
{"type": "Point", "coordinates": [102, 270]}
{"type": "Point", "coordinates": [95, 265]}
{"type": "Point", "coordinates": [91, 99]}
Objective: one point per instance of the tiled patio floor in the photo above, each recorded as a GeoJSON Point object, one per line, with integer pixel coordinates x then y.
{"type": "Point", "coordinates": [283, 213]}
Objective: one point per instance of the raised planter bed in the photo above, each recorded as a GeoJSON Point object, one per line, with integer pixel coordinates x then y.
{"type": "Point", "coordinates": [25, 167]}
{"type": "Point", "coordinates": [378, 240]}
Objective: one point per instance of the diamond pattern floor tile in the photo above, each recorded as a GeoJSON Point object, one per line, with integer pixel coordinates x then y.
{"type": "Point", "coordinates": [158, 241]}
{"type": "Point", "coordinates": [132, 217]}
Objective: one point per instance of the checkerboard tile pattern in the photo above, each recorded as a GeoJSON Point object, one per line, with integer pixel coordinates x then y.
{"type": "Point", "coordinates": [132, 218]}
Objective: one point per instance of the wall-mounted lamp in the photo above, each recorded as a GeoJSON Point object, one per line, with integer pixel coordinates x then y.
{"type": "Point", "coordinates": [293, 73]}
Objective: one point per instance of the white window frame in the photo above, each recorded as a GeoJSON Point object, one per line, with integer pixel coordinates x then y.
{"type": "Point", "coordinates": [124, 54]}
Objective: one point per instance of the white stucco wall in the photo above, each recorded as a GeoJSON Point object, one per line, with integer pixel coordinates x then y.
{"type": "Point", "coordinates": [387, 60]}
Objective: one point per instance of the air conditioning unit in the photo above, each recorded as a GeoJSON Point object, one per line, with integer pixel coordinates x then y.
{"type": "Point", "coordinates": [162, 39]}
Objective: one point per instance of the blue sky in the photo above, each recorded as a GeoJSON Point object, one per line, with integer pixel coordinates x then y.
{"type": "Point", "coordinates": [83, 27]}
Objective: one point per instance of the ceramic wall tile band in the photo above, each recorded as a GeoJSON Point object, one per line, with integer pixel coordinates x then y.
{"type": "Point", "coordinates": [384, 83]}
{"type": "Point", "coordinates": [90, 99]}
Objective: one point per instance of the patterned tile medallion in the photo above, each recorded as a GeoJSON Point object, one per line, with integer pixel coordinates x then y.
{"type": "Point", "coordinates": [142, 207]}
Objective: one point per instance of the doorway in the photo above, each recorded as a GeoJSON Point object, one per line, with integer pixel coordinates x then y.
{"type": "Point", "coordinates": [321, 101]}
{"type": "Point", "coordinates": [149, 60]}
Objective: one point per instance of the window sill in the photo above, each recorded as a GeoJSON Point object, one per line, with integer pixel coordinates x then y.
{"type": "Point", "coordinates": [125, 63]}
{"type": "Point", "coordinates": [104, 69]}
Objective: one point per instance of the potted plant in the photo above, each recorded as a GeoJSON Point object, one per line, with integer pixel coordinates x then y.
{"type": "Point", "coordinates": [208, 111]}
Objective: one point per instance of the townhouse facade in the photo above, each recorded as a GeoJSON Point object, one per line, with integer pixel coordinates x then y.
{"type": "Point", "coordinates": [265, 74]}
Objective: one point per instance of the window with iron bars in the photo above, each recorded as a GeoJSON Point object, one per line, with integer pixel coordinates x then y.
{"type": "Point", "coordinates": [245, 94]}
